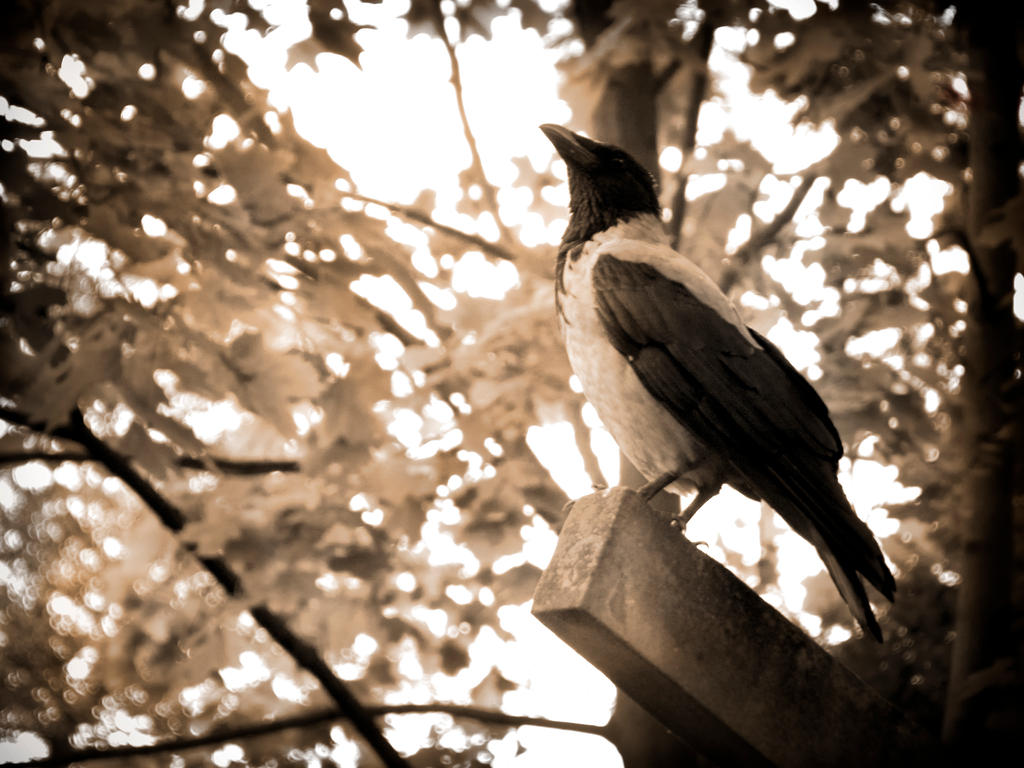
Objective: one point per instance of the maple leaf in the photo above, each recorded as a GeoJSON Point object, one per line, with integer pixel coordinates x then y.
{"type": "Point", "coordinates": [333, 32]}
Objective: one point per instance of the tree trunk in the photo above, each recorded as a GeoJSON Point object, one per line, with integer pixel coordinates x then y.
{"type": "Point", "coordinates": [983, 637]}
{"type": "Point", "coordinates": [626, 113]}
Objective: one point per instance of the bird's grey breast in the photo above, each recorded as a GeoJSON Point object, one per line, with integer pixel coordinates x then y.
{"type": "Point", "coordinates": [653, 440]}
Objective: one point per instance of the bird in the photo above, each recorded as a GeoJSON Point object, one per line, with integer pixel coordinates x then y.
{"type": "Point", "coordinates": [693, 396]}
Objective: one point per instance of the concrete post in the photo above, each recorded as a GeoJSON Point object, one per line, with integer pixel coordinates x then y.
{"type": "Point", "coordinates": [703, 653]}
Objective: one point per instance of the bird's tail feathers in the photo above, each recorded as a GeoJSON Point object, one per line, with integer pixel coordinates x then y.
{"type": "Point", "coordinates": [818, 510]}
{"type": "Point", "coordinates": [850, 587]}
{"type": "Point", "coordinates": [857, 544]}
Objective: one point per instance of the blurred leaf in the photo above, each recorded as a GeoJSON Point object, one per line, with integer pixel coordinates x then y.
{"type": "Point", "coordinates": [453, 657]}
{"type": "Point", "coordinates": [258, 173]}
{"type": "Point", "coordinates": [490, 691]}
{"type": "Point", "coordinates": [517, 585]}
{"type": "Point", "coordinates": [333, 29]}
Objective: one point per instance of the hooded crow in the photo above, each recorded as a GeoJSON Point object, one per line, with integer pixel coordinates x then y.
{"type": "Point", "coordinates": [694, 397]}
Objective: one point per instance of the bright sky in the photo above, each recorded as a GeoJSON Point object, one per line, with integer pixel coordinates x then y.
{"type": "Point", "coordinates": [393, 123]}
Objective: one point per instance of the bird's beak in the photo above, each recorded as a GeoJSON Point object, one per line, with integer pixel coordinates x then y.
{"type": "Point", "coordinates": [569, 146]}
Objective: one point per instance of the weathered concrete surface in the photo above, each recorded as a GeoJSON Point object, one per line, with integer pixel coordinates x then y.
{"type": "Point", "coordinates": [703, 653]}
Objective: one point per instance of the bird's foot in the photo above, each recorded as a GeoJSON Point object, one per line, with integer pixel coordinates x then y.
{"type": "Point", "coordinates": [649, 490]}
{"type": "Point", "coordinates": [678, 523]}
{"type": "Point", "coordinates": [703, 494]}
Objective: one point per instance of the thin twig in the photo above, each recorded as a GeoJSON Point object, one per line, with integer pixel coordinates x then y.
{"type": "Point", "coordinates": [767, 234]}
{"type": "Point", "coordinates": [309, 719]}
{"type": "Point", "coordinates": [23, 457]}
{"type": "Point", "coordinates": [490, 716]}
{"type": "Point", "coordinates": [495, 249]}
{"type": "Point", "coordinates": [174, 519]}
{"type": "Point", "coordinates": [227, 466]}
{"type": "Point", "coordinates": [770, 231]}
{"type": "Point", "coordinates": [698, 93]}
{"type": "Point", "coordinates": [242, 466]}
{"type": "Point", "coordinates": [582, 433]}
{"type": "Point", "coordinates": [477, 164]}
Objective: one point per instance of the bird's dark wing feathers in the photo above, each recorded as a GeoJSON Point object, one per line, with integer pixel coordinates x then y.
{"type": "Point", "coordinates": [808, 395]}
{"type": "Point", "coordinates": [691, 353]}
{"type": "Point", "coordinates": [747, 402]}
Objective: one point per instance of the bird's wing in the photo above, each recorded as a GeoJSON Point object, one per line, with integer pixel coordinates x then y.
{"type": "Point", "coordinates": [719, 378]}
{"type": "Point", "coordinates": [736, 393]}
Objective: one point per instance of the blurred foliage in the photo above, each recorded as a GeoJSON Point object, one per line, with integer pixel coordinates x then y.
{"type": "Point", "coordinates": [168, 285]}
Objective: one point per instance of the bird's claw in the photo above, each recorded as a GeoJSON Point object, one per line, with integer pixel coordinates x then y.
{"type": "Point", "coordinates": [679, 521]}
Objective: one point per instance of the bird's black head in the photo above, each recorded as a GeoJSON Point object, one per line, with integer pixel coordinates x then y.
{"type": "Point", "coordinates": [606, 185]}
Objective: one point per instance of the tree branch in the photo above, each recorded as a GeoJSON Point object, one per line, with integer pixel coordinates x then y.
{"type": "Point", "coordinates": [309, 659]}
{"type": "Point", "coordinates": [119, 466]}
{"type": "Point", "coordinates": [174, 519]}
{"type": "Point", "coordinates": [314, 717]}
